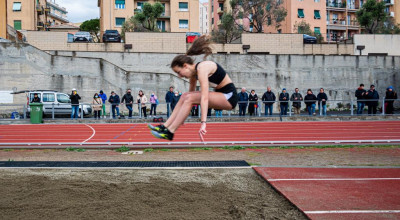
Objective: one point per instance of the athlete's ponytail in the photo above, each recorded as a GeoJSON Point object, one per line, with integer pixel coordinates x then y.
{"type": "Point", "coordinates": [200, 46]}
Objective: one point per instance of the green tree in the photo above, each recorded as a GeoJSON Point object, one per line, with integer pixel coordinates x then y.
{"type": "Point", "coordinates": [389, 27]}
{"type": "Point", "coordinates": [146, 20]}
{"type": "Point", "coordinates": [372, 15]}
{"type": "Point", "coordinates": [260, 13]}
{"type": "Point", "coordinates": [93, 27]}
{"type": "Point", "coordinates": [227, 30]}
{"type": "Point", "coordinates": [302, 27]}
{"type": "Point", "coordinates": [128, 26]}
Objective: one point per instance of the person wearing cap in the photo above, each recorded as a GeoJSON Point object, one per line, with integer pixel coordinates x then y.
{"type": "Point", "coordinates": [115, 101]}
{"type": "Point", "coordinates": [322, 97]}
{"type": "Point", "coordinates": [284, 101]}
{"type": "Point", "coordinates": [296, 98]}
{"type": "Point", "coordinates": [168, 99]}
{"type": "Point", "coordinates": [372, 95]}
{"type": "Point", "coordinates": [103, 97]}
{"type": "Point", "coordinates": [389, 99]}
{"type": "Point", "coordinates": [243, 99]}
{"type": "Point", "coordinates": [360, 94]}
{"type": "Point", "coordinates": [74, 103]}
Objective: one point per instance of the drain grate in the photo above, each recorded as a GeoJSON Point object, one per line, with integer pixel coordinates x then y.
{"type": "Point", "coordinates": [229, 163]}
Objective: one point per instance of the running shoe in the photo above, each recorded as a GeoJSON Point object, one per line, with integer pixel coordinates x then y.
{"type": "Point", "coordinates": [156, 128]}
{"type": "Point", "coordinates": [164, 134]}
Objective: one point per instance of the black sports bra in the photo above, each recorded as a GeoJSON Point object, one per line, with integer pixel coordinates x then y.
{"type": "Point", "coordinates": [217, 77]}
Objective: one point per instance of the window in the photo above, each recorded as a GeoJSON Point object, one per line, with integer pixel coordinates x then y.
{"type": "Point", "coordinates": [300, 13]}
{"type": "Point", "coordinates": [183, 24]}
{"type": "Point", "coordinates": [32, 95]}
{"type": "Point", "coordinates": [140, 5]}
{"type": "Point", "coordinates": [17, 24]}
{"type": "Point", "coordinates": [269, 21]}
{"type": "Point", "coordinates": [316, 0]}
{"type": "Point", "coordinates": [163, 14]}
{"type": "Point", "coordinates": [221, 6]}
{"type": "Point", "coordinates": [212, 20]}
{"type": "Point", "coordinates": [279, 31]}
{"type": "Point", "coordinates": [48, 97]}
{"type": "Point", "coordinates": [161, 25]}
{"type": "Point", "coordinates": [62, 98]}
{"type": "Point", "coordinates": [183, 6]}
{"type": "Point", "coordinates": [119, 4]}
{"type": "Point", "coordinates": [316, 14]}
{"type": "Point", "coordinates": [119, 21]}
{"type": "Point", "coordinates": [17, 6]}
{"type": "Point", "coordinates": [317, 30]}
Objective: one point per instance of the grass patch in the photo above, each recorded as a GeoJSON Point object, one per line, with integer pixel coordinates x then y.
{"type": "Point", "coordinates": [72, 149]}
{"type": "Point", "coordinates": [201, 148]}
{"type": "Point", "coordinates": [9, 160]}
{"type": "Point", "coordinates": [148, 150]}
{"type": "Point", "coordinates": [123, 149]}
{"type": "Point", "coordinates": [8, 149]}
{"type": "Point", "coordinates": [165, 149]}
{"type": "Point", "coordinates": [334, 146]}
{"type": "Point", "coordinates": [237, 147]}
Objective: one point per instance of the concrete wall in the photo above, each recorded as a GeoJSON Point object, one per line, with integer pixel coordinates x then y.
{"type": "Point", "coordinates": [377, 43]}
{"type": "Point", "coordinates": [157, 42]}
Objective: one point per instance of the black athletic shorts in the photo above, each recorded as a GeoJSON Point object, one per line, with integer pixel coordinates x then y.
{"type": "Point", "coordinates": [230, 93]}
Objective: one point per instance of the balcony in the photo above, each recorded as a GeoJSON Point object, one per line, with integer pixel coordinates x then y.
{"type": "Point", "coordinates": [165, 16]}
{"type": "Point", "coordinates": [47, 9]}
{"type": "Point", "coordinates": [336, 6]}
{"type": "Point", "coordinates": [40, 25]}
{"type": "Point", "coordinates": [389, 2]}
{"type": "Point", "coordinates": [138, 10]}
{"type": "Point", "coordinates": [58, 17]}
{"type": "Point", "coordinates": [219, 22]}
{"type": "Point", "coordinates": [39, 9]}
{"type": "Point", "coordinates": [220, 11]}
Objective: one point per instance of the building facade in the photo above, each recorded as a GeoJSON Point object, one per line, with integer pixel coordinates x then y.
{"type": "Point", "coordinates": [203, 18]}
{"type": "Point", "coordinates": [34, 15]}
{"type": "Point", "coordinates": [216, 10]}
{"type": "Point", "coordinates": [178, 16]}
{"type": "Point", "coordinates": [3, 19]}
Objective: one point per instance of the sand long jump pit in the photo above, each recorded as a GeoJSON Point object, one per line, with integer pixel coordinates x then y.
{"type": "Point", "coordinates": [220, 193]}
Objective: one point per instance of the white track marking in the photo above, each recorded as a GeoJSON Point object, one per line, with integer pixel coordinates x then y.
{"type": "Point", "coordinates": [337, 179]}
{"type": "Point", "coordinates": [352, 211]}
{"type": "Point", "coordinates": [94, 132]}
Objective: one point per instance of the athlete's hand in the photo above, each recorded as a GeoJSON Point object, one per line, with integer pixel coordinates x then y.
{"type": "Point", "coordinates": [202, 131]}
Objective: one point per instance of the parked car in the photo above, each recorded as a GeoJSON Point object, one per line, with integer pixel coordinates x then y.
{"type": "Point", "coordinates": [307, 39]}
{"type": "Point", "coordinates": [111, 36]}
{"type": "Point", "coordinates": [82, 36]}
{"type": "Point", "coordinates": [57, 100]}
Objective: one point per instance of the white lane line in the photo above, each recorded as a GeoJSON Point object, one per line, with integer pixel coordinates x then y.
{"type": "Point", "coordinates": [342, 179]}
{"type": "Point", "coordinates": [94, 132]}
{"type": "Point", "coordinates": [352, 211]}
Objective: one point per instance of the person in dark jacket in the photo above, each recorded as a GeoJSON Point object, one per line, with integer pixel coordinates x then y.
{"type": "Point", "coordinates": [175, 100]}
{"type": "Point", "coordinates": [168, 99]}
{"type": "Point", "coordinates": [284, 101]}
{"type": "Point", "coordinates": [360, 94]}
{"type": "Point", "coordinates": [243, 99]}
{"type": "Point", "coordinates": [310, 100]}
{"type": "Point", "coordinates": [114, 100]}
{"type": "Point", "coordinates": [372, 95]}
{"type": "Point", "coordinates": [253, 98]}
{"type": "Point", "coordinates": [74, 103]}
{"type": "Point", "coordinates": [268, 98]}
{"type": "Point", "coordinates": [128, 100]}
{"type": "Point", "coordinates": [389, 99]}
{"type": "Point", "coordinates": [296, 98]}
{"type": "Point", "coordinates": [103, 97]}
{"type": "Point", "coordinates": [35, 99]}
{"type": "Point", "coordinates": [322, 97]}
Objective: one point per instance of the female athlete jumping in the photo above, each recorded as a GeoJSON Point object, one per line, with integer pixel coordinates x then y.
{"type": "Point", "coordinates": [209, 74]}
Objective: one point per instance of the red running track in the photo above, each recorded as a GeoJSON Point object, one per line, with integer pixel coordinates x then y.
{"type": "Point", "coordinates": [262, 133]}
{"type": "Point", "coordinates": [339, 193]}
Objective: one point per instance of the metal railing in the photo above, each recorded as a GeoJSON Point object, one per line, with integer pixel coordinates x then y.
{"type": "Point", "coordinates": [258, 108]}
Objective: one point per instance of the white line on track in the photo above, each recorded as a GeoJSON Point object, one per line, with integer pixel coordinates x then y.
{"type": "Point", "coordinates": [337, 179]}
{"type": "Point", "coordinates": [352, 211]}
{"type": "Point", "coordinates": [94, 132]}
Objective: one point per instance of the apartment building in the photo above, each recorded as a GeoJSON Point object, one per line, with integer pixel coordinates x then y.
{"type": "Point", "coordinates": [215, 12]}
{"type": "Point", "coordinates": [34, 15]}
{"type": "Point", "coordinates": [3, 19]}
{"type": "Point", "coordinates": [203, 18]}
{"type": "Point", "coordinates": [178, 15]}
{"type": "Point", "coordinates": [393, 9]}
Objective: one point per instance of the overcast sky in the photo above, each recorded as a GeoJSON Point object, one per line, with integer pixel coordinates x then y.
{"type": "Point", "coordinates": [82, 10]}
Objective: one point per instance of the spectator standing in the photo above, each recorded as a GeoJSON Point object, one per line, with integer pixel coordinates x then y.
{"type": "Point", "coordinates": [103, 97]}
{"type": "Point", "coordinates": [268, 98]}
{"type": "Point", "coordinates": [360, 94]}
{"type": "Point", "coordinates": [284, 101]}
{"type": "Point", "coordinates": [322, 97]}
{"type": "Point", "coordinates": [390, 95]}
{"type": "Point", "coordinates": [128, 100]}
{"type": "Point", "coordinates": [114, 100]}
{"type": "Point", "coordinates": [97, 104]}
{"type": "Point", "coordinates": [253, 98]}
{"type": "Point", "coordinates": [168, 99]}
{"type": "Point", "coordinates": [218, 113]}
{"type": "Point", "coordinates": [154, 102]}
{"type": "Point", "coordinates": [296, 98]}
{"type": "Point", "coordinates": [35, 98]}
{"type": "Point", "coordinates": [175, 100]}
{"type": "Point", "coordinates": [310, 100]}
{"type": "Point", "coordinates": [373, 95]}
{"type": "Point", "coordinates": [142, 100]}
{"type": "Point", "coordinates": [243, 99]}
{"type": "Point", "coordinates": [74, 103]}
{"type": "Point", "coordinates": [195, 110]}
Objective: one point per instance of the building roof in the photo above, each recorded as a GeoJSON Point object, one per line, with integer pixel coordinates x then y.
{"type": "Point", "coordinates": [64, 26]}
{"type": "Point", "coordinates": [57, 6]}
